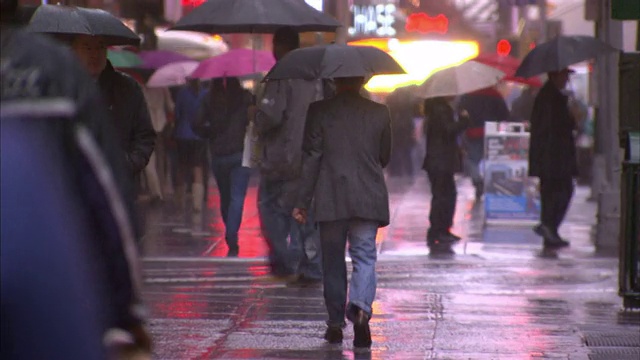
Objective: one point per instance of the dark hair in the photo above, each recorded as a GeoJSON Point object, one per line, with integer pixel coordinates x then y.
{"type": "Point", "coordinates": [287, 36]}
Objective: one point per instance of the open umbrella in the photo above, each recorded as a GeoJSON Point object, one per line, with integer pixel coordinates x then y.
{"type": "Point", "coordinates": [71, 20]}
{"type": "Point", "coordinates": [332, 61]}
{"type": "Point", "coordinates": [235, 63]}
{"type": "Point", "coordinates": [561, 52]}
{"type": "Point", "coordinates": [255, 16]}
{"type": "Point", "coordinates": [123, 58]}
{"type": "Point", "coordinates": [507, 64]}
{"type": "Point", "coordinates": [457, 80]}
{"type": "Point", "coordinates": [155, 59]}
{"type": "Point", "coordinates": [173, 74]}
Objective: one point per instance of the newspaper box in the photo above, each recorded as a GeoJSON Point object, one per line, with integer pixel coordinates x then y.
{"type": "Point", "coordinates": [510, 194]}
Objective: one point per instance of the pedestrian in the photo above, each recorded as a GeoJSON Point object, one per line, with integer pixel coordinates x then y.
{"type": "Point", "coordinates": [347, 144]}
{"type": "Point", "coordinates": [191, 148]}
{"type": "Point", "coordinates": [36, 71]}
{"type": "Point", "coordinates": [552, 155]}
{"type": "Point", "coordinates": [127, 109]}
{"type": "Point", "coordinates": [403, 108]}
{"type": "Point", "coordinates": [223, 119]}
{"type": "Point", "coordinates": [442, 161]}
{"type": "Point", "coordinates": [280, 121]}
{"type": "Point", "coordinates": [159, 104]}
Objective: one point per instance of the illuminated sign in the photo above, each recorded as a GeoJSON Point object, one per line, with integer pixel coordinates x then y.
{"type": "Point", "coordinates": [423, 23]}
{"type": "Point", "coordinates": [503, 48]}
{"type": "Point", "coordinates": [375, 20]}
{"type": "Point", "coordinates": [192, 3]}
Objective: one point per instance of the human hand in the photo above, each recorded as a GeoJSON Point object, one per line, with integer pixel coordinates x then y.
{"type": "Point", "coordinates": [300, 215]}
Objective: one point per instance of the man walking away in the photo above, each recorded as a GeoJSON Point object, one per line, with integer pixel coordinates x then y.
{"type": "Point", "coordinates": [347, 144]}
{"type": "Point", "coordinates": [280, 122]}
{"type": "Point", "coordinates": [552, 155]}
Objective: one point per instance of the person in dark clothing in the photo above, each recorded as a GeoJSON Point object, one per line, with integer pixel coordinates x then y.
{"type": "Point", "coordinates": [35, 68]}
{"type": "Point", "coordinates": [223, 119]}
{"type": "Point", "coordinates": [347, 144]}
{"type": "Point", "coordinates": [127, 108]}
{"type": "Point", "coordinates": [552, 155]}
{"type": "Point", "coordinates": [403, 108]}
{"type": "Point", "coordinates": [442, 161]}
{"type": "Point", "coordinates": [483, 105]}
{"type": "Point", "coordinates": [522, 107]}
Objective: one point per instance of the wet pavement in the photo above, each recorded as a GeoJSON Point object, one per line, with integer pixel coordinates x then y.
{"type": "Point", "coordinates": [498, 297]}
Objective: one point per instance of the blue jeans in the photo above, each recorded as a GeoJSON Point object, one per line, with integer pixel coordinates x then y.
{"type": "Point", "coordinates": [362, 248]}
{"type": "Point", "coordinates": [293, 248]}
{"type": "Point", "coordinates": [232, 179]}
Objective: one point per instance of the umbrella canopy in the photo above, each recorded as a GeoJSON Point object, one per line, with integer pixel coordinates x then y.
{"type": "Point", "coordinates": [71, 20]}
{"type": "Point", "coordinates": [561, 52]}
{"type": "Point", "coordinates": [255, 16]}
{"type": "Point", "coordinates": [235, 63]}
{"type": "Point", "coordinates": [174, 74]}
{"type": "Point", "coordinates": [155, 59]}
{"type": "Point", "coordinates": [123, 58]}
{"type": "Point", "coordinates": [461, 79]}
{"type": "Point", "coordinates": [507, 64]}
{"type": "Point", "coordinates": [333, 61]}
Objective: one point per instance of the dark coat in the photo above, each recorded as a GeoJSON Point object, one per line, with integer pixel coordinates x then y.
{"type": "Point", "coordinates": [442, 130]}
{"type": "Point", "coordinates": [552, 150]}
{"type": "Point", "coordinates": [53, 73]}
{"type": "Point", "coordinates": [347, 143]}
{"type": "Point", "coordinates": [225, 127]}
{"type": "Point", "coordinates": [130, 115]}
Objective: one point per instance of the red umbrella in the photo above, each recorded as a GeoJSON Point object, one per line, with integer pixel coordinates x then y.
{"type": "Point", "coordinates": [507, 64]}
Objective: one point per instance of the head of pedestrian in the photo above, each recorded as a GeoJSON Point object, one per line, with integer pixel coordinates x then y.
{"type": "Point", "coordinates": [92, 52]}
{"type": "Point", "coordinates": [193, 84]}
{"type": "Point", "coordinates": [285, 40]}
{"type": "Point", "coordinates": [346, 84]}
{"type": "Point", "coordinates": [560, 78]}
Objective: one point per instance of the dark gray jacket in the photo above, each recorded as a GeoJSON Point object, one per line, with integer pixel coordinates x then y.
{"type": "Point", "coordinates": [443, 153]}
{"type": "Point", "coordinates": [280, 125]}
{"type": "Point", "coordinates": [347, 144]}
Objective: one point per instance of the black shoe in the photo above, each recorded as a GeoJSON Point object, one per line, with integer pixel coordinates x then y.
{"type": "Point", "coordinates": [441, 240]}
{"type": "Point", "coordinates": [544, 231]}
{"type": "Point", "coordinates": [453, 236]}
{"type": "Point", "coordinates": [303, 281]}
{"type": "Point", "coordinates": [361, 331]}
{"type": "Point", "coordinates": [555, 242]}
{"type": "Point", "coordinates": [333, 335]}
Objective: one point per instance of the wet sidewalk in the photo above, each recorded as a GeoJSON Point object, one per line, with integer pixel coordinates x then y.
{"type": "Point", "coordinates": [498, 297]}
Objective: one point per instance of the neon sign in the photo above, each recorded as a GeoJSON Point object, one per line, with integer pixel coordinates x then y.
{"type": "Point", "coordinates": [423, 23]}
{"type": "Point", "coordinates": [373, 20]}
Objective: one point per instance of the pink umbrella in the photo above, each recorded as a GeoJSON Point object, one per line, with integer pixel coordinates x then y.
{"type": "Point", "coordinates": [236, 62]}
{"type": "Point", "coordinates": [174, 74]}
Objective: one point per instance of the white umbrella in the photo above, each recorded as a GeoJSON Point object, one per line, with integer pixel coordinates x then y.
{"type": "Point", "coordinates": [464, 78]}
{"type": "Point", "coordinates": [174, 74]}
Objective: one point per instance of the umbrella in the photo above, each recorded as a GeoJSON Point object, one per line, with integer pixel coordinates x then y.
{"type": "Point", "coordinates": [71, 20]}
{"type": "Point", "coordinates": [255, 16]}
{"type": "Point", "coordinates": [464, 78]}
{"type": "Point", "coordinates": [507, 64]}
{"type": "Point", "coordinates": [236, 62]}
{"type": "Point", "coordinates": [173, 74]}
{"type": "Point", "coordinates": [155, 59]}
{"type": "Point", "coordinates": [561, 52]}
{"type": "Point", "coordinates": [123, 58]}
{"type": "Point", "coordinates": [332, 61]}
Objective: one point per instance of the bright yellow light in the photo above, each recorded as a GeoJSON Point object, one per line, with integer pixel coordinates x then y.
{"type": "Point", "coordinates": [419, 59]}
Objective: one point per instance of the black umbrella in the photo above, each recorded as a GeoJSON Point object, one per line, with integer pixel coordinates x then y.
{"type": "Point", "coordinates": [255, 16]}
{"type": "Point", "coordinates": [333, 61]}
{"type": "Point", "coordinates": [71, 20]}
{"type": "Point", "coordinates": [561, 52]}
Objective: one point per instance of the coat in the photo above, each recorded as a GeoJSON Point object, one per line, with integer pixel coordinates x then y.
{"type": "Point", "coordinates": [443, 152]}
{"type": "Point", "coordinates": [130, 116]}
{"type": "Point", "coordinates": [280, 124]}
{"type": "Point", "coordinates": [347, 143]}
{"type": "Point", "coordinates": [552, 150]}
